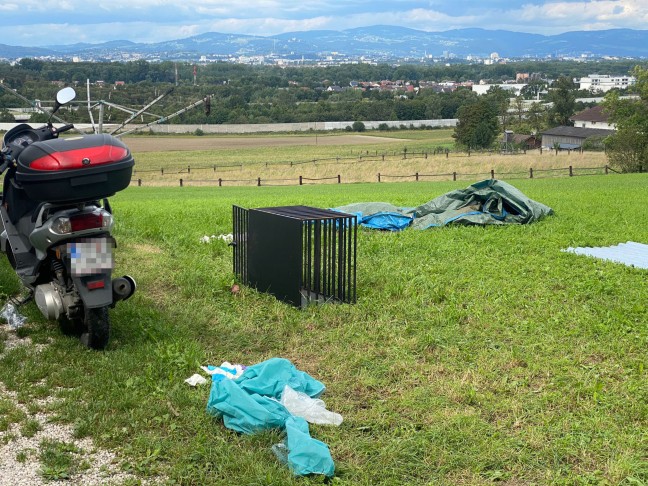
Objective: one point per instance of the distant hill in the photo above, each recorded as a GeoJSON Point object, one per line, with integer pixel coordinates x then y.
{"type": "Point", "coordinates": [377, 42]}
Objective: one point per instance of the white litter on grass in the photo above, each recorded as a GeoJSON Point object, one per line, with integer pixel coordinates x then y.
{"type": "Point", "coordinates": [11, 316]}
{"type": "Point", "coordinates": [227, 369]}
{"type": "Point", "coordinates": [228, 238]}
{"type": "Point", "coordinates": [630, 253]}
{"type": "Point", "coordinates": [196, 379]}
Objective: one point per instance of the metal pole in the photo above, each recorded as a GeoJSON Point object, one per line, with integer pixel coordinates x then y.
{"type": "Point", "coordinates": [101, 118]}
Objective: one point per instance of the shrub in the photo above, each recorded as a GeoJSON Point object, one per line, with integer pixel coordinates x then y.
{"type": "Point", "coordinates": [198, 132]}
{"type": "Point", "coordinates": [358, 126]}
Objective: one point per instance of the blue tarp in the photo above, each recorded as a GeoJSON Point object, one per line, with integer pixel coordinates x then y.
{"type": "Point", "coordinates": [378, 215]}
{"type": "Point", "coordinates": [483, 203]}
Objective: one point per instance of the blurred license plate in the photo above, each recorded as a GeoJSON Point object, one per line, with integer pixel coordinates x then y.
{"type": "Point", "coordinates": [90, 256]}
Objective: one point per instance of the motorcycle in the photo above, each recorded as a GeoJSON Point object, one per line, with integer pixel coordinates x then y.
{"type": "Point", "coordinates": [57, 221]}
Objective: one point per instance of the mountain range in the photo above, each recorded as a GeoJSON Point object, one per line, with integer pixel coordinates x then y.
{"type": "Point", "coordinates": [376, 42]}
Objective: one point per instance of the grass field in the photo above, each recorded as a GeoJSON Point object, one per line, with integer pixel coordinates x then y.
{"type": "Point", "coordinates": [281, 160]}
{"type": "Point", "coordinates": [473, 355]}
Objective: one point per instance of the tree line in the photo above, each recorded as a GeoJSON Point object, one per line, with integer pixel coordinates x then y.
{"type": "Point", "coordinates": [270, 94]}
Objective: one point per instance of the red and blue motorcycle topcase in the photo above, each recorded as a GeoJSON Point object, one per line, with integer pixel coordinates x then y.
{"type": "Point", "coordinates": [74, 169]}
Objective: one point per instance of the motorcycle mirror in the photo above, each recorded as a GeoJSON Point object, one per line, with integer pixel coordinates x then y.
{"type": "Point", "coordinates": [63, 97]}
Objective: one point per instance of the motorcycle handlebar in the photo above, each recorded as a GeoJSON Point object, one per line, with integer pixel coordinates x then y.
{"type": "Point", "coordinates": [65, 128]}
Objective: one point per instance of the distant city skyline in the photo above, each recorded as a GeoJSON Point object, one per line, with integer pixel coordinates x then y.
{"type": "Point", "coordinates": [41, 23]}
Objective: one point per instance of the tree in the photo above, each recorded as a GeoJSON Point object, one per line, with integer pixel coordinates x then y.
{"type": "Point", "coordinates": [478, 125]}
{"type": "Point", "coordinates": [536, 116]}
{"type": "Point", "coordinates": [358, 126]}
{"type": "Point", "coordinates": [564, 101]}
{"type": "Point", "coordinates": [6, 117]}
{"type": "Point", "coordinates": [501, 100]}
{"type": "Point", "coordinates": [627, 148]}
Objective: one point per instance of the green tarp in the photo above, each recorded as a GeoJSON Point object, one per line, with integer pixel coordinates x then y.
{"type": "Point", "coordinates": [486, 202]}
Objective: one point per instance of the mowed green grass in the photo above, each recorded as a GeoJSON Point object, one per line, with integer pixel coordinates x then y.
{"type": "Point", "coordinates": [473, 355]}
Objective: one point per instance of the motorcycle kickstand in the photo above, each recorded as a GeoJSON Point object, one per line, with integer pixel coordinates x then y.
{"type": "Point", "coordinates": [20, 301]}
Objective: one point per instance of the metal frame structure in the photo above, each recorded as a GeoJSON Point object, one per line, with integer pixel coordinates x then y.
{"type": "Point", "coordinates": [299, 254]}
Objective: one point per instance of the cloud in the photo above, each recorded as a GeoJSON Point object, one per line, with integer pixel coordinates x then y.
{"type": "Point", "coordinates": [46, 22]}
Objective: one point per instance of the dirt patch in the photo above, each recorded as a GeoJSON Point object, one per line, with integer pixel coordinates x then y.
{"type": "Point", "coordinates": [164, 144]}
{"type": "Point", "coordinates": [20, 453]}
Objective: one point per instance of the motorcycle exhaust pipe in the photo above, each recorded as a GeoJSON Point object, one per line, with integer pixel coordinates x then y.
{"type": "Point", "coordinates": [123, 287]}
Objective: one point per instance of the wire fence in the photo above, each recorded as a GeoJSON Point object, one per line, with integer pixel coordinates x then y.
{"type": "Point", "coordinates": [355, 157]}
{"type": "Point", "coordinates": [416, 177]}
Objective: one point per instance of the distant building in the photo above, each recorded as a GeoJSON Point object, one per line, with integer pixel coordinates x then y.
{"type": "Point", "coordinates": [593, 117]}
{"type": "Point", "coordinates": [605, 82]}
{"type": "Point", "coordinates": [571, 138]}
{"type": "Point", "coordinates": [481, 89]}
{"type": "Point", "coordinates": [511, 141]}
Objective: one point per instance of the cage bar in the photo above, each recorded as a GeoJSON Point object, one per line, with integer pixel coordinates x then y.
{"type": "Point", "coordinates": [299, 254]}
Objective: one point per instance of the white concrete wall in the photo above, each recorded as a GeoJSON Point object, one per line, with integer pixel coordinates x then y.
{"type": "Point", "coordinates": [268, 127]}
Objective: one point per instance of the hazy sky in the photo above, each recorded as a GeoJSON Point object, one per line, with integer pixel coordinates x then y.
{"type": "Point", "coordinates": [49, 22]}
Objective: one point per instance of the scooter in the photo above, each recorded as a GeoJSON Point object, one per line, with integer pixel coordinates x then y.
{"type": "Point", "coordinates": [57, 221]}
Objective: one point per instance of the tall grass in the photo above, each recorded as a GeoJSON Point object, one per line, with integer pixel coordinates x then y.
{"type": "Point", "coordinates": [473, 354]}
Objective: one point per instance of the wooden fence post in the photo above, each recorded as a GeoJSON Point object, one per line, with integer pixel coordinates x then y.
{"type": "Point", "coordinates": [220, 182]}
{"type": "Point", "coordinates": [531, 173]}
{"type": "Point", "coordinates": [378, 176]}
{"type": "Point", "coordinates": [258, 181]}
{"type": "Point", "coordinates": [301, 183]}
{"type": "Point", "coordinates": [417, 177]}
{"type": "Point", "coordinates": [339, 179]}
{"type": "Point", "coordinates": [188, 169]}
{"type": "Point", "coordinates": [606, 170]}
{"type": "Point", "coordinates": [180, 182]}
{"type": "Point", "coordinates": [454, 176]}
{"type": "Point", "coordinates": [139, 182]}
{"type": "Point", "coordinates": [162, 170]}
{"type": "Point", "coordinates": [447, 153]}
{"type": "Point", "coordinates": [492, 174]}
{"type": "Point", "coordinates": [571, 171]}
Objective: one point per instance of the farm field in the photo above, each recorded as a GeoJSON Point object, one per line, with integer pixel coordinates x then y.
{"type": "Point", "coordinates": [473, 355]}
{"type": "Point", "coordinates": [281, 160]}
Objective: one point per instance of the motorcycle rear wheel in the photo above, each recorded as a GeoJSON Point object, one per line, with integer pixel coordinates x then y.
{"type": "Point", "coordinates": [97, 328]}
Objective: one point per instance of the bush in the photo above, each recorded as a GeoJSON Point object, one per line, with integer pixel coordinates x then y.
{"type": "Point", "coordinates": [358, 126]}
{"type": "Point", "coordinates": [198, 132]}
{"type": "Point", "coordinates": [383, 127]}
{"type": "Point", "coordinates": [595, 143]}
{"type": "Point", "coordinates": [348, 128]}
{"type": "Point", "coordinates": [6, 117]}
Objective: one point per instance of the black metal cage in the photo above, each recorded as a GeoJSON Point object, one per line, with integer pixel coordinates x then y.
{"type": "Point", "coordinates": [299, 254]}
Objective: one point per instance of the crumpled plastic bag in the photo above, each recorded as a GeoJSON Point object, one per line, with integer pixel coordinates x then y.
{"type": "Point", "coordinates": [227, 238]}
{"type": "Point", "coordinates": [303, 454]}
{"type": "Point", "coordinates": [312, 409]}
{"type": "Point", "coordinates": [10, 314]}
{"type": "Point", "coordinates": [195, 380]}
